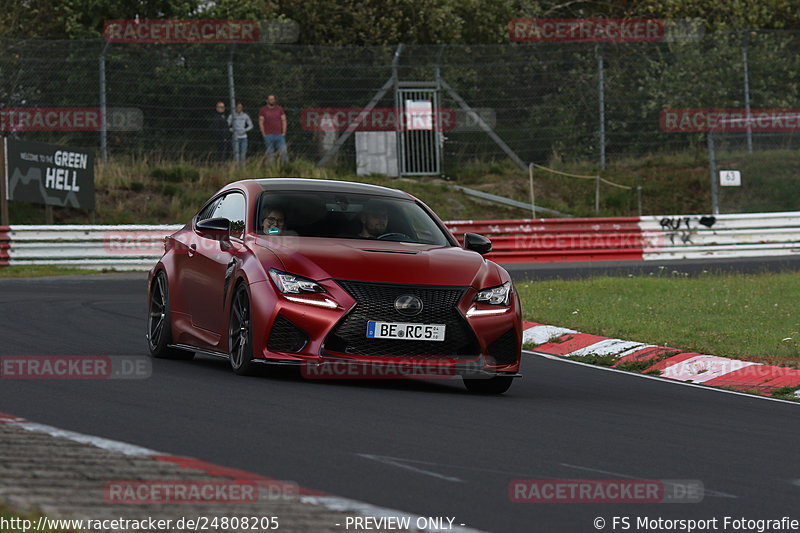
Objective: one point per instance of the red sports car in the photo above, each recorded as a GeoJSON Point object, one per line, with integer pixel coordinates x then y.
{"type": "Point", "coordinates": [323, 273]}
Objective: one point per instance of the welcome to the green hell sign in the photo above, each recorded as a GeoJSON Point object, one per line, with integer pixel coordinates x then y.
{"type": "Point", "coordinates": [50, 175]}
{"type": "Point", "coordinates": [62, 177]}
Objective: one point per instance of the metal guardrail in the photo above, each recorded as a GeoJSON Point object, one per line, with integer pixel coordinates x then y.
{"type": "Point", "coordinates": [489, 197]}
{"type": "Point", "coordinates": [123, 247]}
{"type": "Point", "coordinates": [639, 238]}
{"type": "Point", "coordinates": [127, 247]}
{"type": "Point", "coordinates": [5, 244]}
{"type": "Point", "coordinates": [721, 236]}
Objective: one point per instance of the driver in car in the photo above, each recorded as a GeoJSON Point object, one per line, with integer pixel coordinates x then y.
{"type": "Point", "coordinates": [374, 220]}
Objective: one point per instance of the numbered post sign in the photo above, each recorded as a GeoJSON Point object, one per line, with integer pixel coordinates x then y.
{"type": "Point", "coordinates": [730, 178]}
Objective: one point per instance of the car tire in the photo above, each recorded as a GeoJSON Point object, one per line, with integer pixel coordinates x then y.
{"type": "Point", "coordinates": [240, 333]}
{"type": "Point", "coordinates": [159, 325]}
{"type": "Point", "coordinates": [495, 385]}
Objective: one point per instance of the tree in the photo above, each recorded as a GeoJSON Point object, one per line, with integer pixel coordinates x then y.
{"type": "Point", "coordinates": [720, 15]}
{"type": "Point", "coordinates": [82, 19]}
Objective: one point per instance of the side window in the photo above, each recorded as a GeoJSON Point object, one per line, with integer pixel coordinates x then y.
{"type": "Point", "coordinates": [232, 206]}
{"type": "Point", "coordinates": [207, 211]}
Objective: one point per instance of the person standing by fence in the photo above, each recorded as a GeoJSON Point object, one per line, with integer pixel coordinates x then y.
{"type": "Point", "coordinates": [272, 122]}
{"type": "Point", "coordinates": [222, 132]}
{"type": "Point", "coordinates": [240, 124]}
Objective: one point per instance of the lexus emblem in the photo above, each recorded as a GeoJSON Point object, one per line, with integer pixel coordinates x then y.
{"type": "Point", "coordinates": [408, 305]}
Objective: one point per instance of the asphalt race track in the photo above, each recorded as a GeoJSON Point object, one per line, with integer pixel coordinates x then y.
{"type": "Point", "coordinates": [427, 448]}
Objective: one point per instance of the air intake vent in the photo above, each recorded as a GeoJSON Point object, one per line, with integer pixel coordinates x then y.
{"type": "Point", "coordinates": [504, 349]}
{"type": "Point", "coordinates": [286, 336]}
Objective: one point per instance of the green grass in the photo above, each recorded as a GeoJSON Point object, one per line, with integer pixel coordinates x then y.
{"type": "Point", "coordinates": [166, 192]}
{"type": "Point", "coordinates": [786, 393]}
{"type": "Point", "coordinates": [733, 315]}
{"type": "Point", "coordinates": [41, 271]}
{"type": "Point", "coordinates": [152, 190]}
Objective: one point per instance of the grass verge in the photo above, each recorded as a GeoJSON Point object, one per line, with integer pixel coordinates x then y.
{"type": "Point", "coordinates": [42, 271]}
{"type": "Point", "coordinates": [163, 192]}
{"type": "Point", "coordinates": [148, 189]}
{"type": "Point", "coordinates": [743, 316]}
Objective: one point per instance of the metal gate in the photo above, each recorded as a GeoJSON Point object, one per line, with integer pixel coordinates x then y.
{"type": "Point", "coordinates": [419, 137]}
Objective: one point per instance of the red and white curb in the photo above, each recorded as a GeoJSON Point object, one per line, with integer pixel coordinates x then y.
{"type": "Point", "coordinates": [307, 496]}
{"type": "Point", "coordinates": [671, 363]}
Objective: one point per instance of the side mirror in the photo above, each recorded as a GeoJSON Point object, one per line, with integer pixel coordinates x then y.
{"type": "Point", "coordinates": [218, 229]}
{"type": "Point", "coordinates": [477, 243]}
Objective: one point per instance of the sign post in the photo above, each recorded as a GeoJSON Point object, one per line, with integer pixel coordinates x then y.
{"type": "Point", "coordinates": [4, 219]}
{"type": "Point", "coordinates": [730, 178]}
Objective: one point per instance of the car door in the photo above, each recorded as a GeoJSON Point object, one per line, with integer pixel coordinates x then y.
{"type": "Point", "coordinates": [183, 245]}
{"type": "Point", "coordinates": [210, 264]}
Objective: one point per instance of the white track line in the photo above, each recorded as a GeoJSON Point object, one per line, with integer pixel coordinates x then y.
{"type": "Point", "coordinates": [100, 442]}
{"type": "Point", "coordinates": [393, 461]}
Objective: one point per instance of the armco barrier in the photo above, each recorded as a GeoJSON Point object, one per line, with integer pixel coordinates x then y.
{"type": "Point", "coordinates": [558, 239]}
{"type": "Point", "coordinates": [123, 247]}
{"type": "Point", "coordinates": [514, 241]}
{"type": "Point", "coordinates": [5, 244]}
{"type": "Point", "coordinates": [721, 236]}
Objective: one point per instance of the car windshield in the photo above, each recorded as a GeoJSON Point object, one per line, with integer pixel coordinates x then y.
{"type": "Point", "coordinates": [347, 215]}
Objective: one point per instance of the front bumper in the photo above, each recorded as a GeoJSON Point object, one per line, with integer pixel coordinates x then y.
{"type": "Point", "coordinates": [298, 333]}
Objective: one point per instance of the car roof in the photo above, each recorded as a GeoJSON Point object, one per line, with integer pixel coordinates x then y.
{"type": "Point", "coordinates": [305, 184]}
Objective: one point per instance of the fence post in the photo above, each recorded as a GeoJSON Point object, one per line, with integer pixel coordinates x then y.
{"type": "Point", "coordinates": [597, 195]}
{"type": "Point", "coordinates": [533, 200]}
{"type": "Point", "coordinates": [103, 107]}
{"type": "Point", "coordinates": [746, 74]}
{"type": "Point", "coordinates": [712, 168]}
{"type": "Point", "coordinates": [639, 198]}
{"type": "Point", "coordinates": [231, 84]}
{"type": "Point", "coordinates": [601, 97]}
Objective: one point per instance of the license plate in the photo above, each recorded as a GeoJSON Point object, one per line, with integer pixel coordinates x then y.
{"type": "Point", "coordinates": [405, 331]}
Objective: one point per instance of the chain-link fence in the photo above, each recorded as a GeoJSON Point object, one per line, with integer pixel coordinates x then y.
{"type": "Point", "coordinates": [543, 101]}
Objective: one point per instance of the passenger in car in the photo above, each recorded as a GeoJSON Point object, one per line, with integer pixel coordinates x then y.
{"type": "Point", "coordinates": [274, 222]}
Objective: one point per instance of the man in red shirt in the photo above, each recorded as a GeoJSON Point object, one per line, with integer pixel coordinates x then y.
{"type": "Point", "coordinates": [272, 121]}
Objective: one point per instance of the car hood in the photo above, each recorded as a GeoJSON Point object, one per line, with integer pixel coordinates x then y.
{"type": "Point", "coordinates": [377, 261]}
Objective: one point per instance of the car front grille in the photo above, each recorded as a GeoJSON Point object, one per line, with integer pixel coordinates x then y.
{"type": "Point", "coordinates": [375, 301]}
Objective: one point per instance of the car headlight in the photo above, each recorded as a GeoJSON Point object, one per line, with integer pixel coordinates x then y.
{"type": "Point", "coordinates": [307, 289]}
{"type": "Point", "coordinates": [495, 295]}
{"type": "Point", "coordinates": [497, 298]}
{"type": "Point", "coordinates": [291, 284]}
